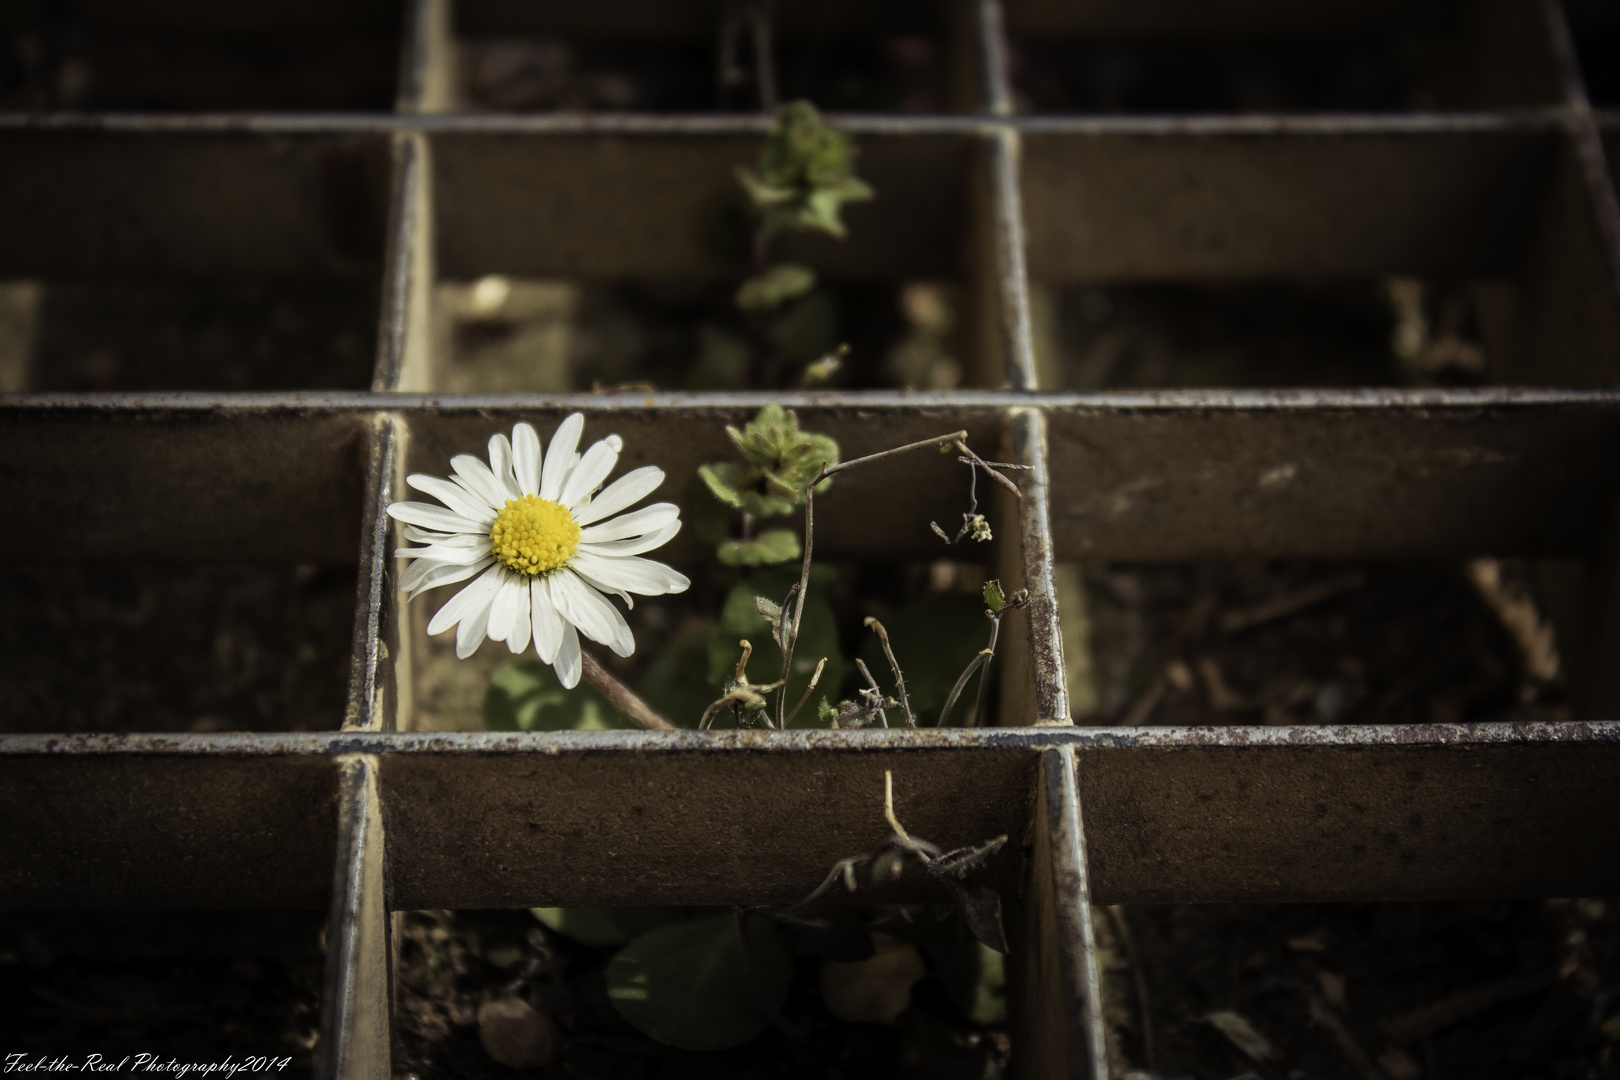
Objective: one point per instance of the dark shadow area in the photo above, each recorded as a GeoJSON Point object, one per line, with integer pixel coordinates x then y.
{"type": "Point", "coordinates": [174, 649]}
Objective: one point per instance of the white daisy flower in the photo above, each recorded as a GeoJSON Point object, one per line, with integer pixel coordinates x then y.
{"type": "Point", "coordinates": [543, 543]}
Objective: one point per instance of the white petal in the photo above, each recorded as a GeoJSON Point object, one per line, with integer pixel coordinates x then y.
{"type": "Point", "coordinates": [518, 639]}
{"type": "Point", "coordinates": [641, 576]}
{"type": "Point", "coordinates": [635, 523]}
{"type": "Point", "coordinates": [470, 634]}
{"type": "Point", "coordinates": [593, 469]}
{"type": "Point", "coordinates": [548, 622]}
{"type": "Point", "coordinates": [624, 642]}
{"type": "Point", "coordinates": [503, 609]}
{"type": "Point", "coordinates": [454, 496]}
{"type": "Point", "coordinates": [474, 597]}
{"type": "Point", "coordinates": [560, 456]}
{"type": "Point", "coordinates": [627, 489]}
{"type": "Point", "coordinates": [615, 548]}
{"type": "Point", "coordinates": [526, 459]}
{"type": "Point", "coordinates": [473, 473]}
{"type": "Point", "coordinates": [432, 517]}
{"type": "Point", "coordinates": [459, 554]}
{"type": "Point", "coordinates": [426, 575]}
{"type": "Point", "coordinates": [426, 536]}
{"type": "Point", "coordinates": [568, 665]}
{"type": "Point", "coordinates": [583, 606]}
{"type": "Point", "coordinates": [500, 463]}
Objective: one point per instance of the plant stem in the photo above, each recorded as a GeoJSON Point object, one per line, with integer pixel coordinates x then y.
{"type": "Point", "coordinates": [985, 465]}
{"type": "Point", "coordinates": [877, 691]}
{"type": "Point", "coordinates": [984, 676]}
{"type": "Point", "coordinates": [814, 678]}
{"type": "Point", "coordinates": [764, 65]}
{"type": "Point", "coordinates": [621, 697]}
{"type": "Point", "coordinates": [899, 679]}
{"type": "Point", "coordinates": [830, 470]}
{"type": "Point", "coordinates": [956, 691]}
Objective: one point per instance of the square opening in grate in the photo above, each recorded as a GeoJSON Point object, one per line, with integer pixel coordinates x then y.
{"type": "Point", "coordinates": [1272, 58]}
{"type": "Point", "coordinates": [162, 260]}
{"type": "Point", "coordinates": [119, 983]}
{"type": "Point", "coordinates": [158, 57]}
{"type": "Point", "coordinates": [651, 58]}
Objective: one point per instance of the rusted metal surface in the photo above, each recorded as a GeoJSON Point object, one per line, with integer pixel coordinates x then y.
{"type": "Point", "coordinates": [1388, 823]}
{"type": "Point", "coordinates": [170, 831]}
{"type": "Point", "coordinates": [490, 820]}
{"type": "Point", "coordinates": [102, 203]}
{"type": "Point", "coordinates": [1058, 979]}
{"type": "Point", "coordinates": [1333, 476]}
{"type": "Point", "coordinates": [694, 828]}
{"type": "Point", "coordinates": [358, 999]}
{"type": "Point", "coordinates": [632, 206]}
{"type": "Point", "coordinates": [164, 480]}
{"type": "Point", "coordinates": [1231, 201]}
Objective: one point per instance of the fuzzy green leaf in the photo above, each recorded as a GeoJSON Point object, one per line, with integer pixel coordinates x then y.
{"type": "Point", "coordinates": [776, 286]}
{"type": "Point", "coordinates": [805, 174]}
{"type": "Point", "coordinates": [684, 985]}
{"type": "Point", "coordinates": [769, 548]}
{"type": "Point", "coordinates": [993, 599]}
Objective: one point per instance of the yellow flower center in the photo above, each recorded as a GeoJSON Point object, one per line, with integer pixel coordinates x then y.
{"type": "Point", "coordinates": [533, 535]}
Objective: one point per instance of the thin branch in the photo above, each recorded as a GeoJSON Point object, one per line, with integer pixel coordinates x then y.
{"type": "Point", "coordinates": [985, 465]}
{"type": "Point", "coordinates": [844, 868]}
{"type": "Point", "coordinates": [956, 691]}
{"type": "Point", "coordinates": [899, 679]}
{"type": "Point", "coordinates": [876, 700]}
{"type": "Point", "coordinates": [827, 471]}
{"type": "Point", "coordinates": [984, 676]}
{"type": "Point", "coordinates": [814, 678]}
{"type": "Point", "coordinates": [894, 822]}
{"type": "Point", "coordinates": [621, 697]}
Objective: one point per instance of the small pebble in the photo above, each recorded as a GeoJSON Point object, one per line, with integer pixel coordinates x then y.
{"type": "Point", "coordinates": [515, 1035]}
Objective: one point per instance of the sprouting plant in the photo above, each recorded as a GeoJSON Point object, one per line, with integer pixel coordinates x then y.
{"type": "Point", "coordinates": [778, 463]}
{"type": "Point", "coordinates": [805, 175]}
{"type": "Point", "coordinates": [747, 700]}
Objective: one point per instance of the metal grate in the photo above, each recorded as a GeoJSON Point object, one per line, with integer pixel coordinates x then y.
{"type": "Point", "coordinates": [1506, 179]}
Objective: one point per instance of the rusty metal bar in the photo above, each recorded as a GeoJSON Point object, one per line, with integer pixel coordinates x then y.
{"type": "Point", "coordinates": [1060, 987]}
{"type": "Point", "coordinates": [485, 819]}
{"type": "Point", "coordinates": [1330, 474]}
{"type": "Point", "coordinates": [357, 1006]}
{"type": "Point", "coordinates": [405, 324]}
{"type": "Point", "coordinates": [374, 687]}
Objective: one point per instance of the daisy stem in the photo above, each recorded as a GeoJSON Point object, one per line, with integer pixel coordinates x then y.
{"type": "Point", "coordinates": [621, 697]}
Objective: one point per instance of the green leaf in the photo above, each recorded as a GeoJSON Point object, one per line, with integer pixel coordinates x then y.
{"type": "Point", "coordinates": [684, 985]}
{"type": "Point", "coordinates": [767, 549]}
{"type": "Point", "coordinates": [606, 928]}
{"type": "Point", "coordinates": [588, 926]}
{"type": "Point", "coordinates": [992, 595]}
{"type": "Point", "coordinates": [818, 637]}
{"type": "Point", "coordinates": [776, 286]}
{"type": "Point", "coordinates": [724, 480]}
{"type": "Point", "coordinates": [526, 696]}
{"type": "Point", "coordinates": [805, 174]}
{"type": "Point", "coordinates": [677, 679]}
{"type": "Point", "coordinates": [733, 485]}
